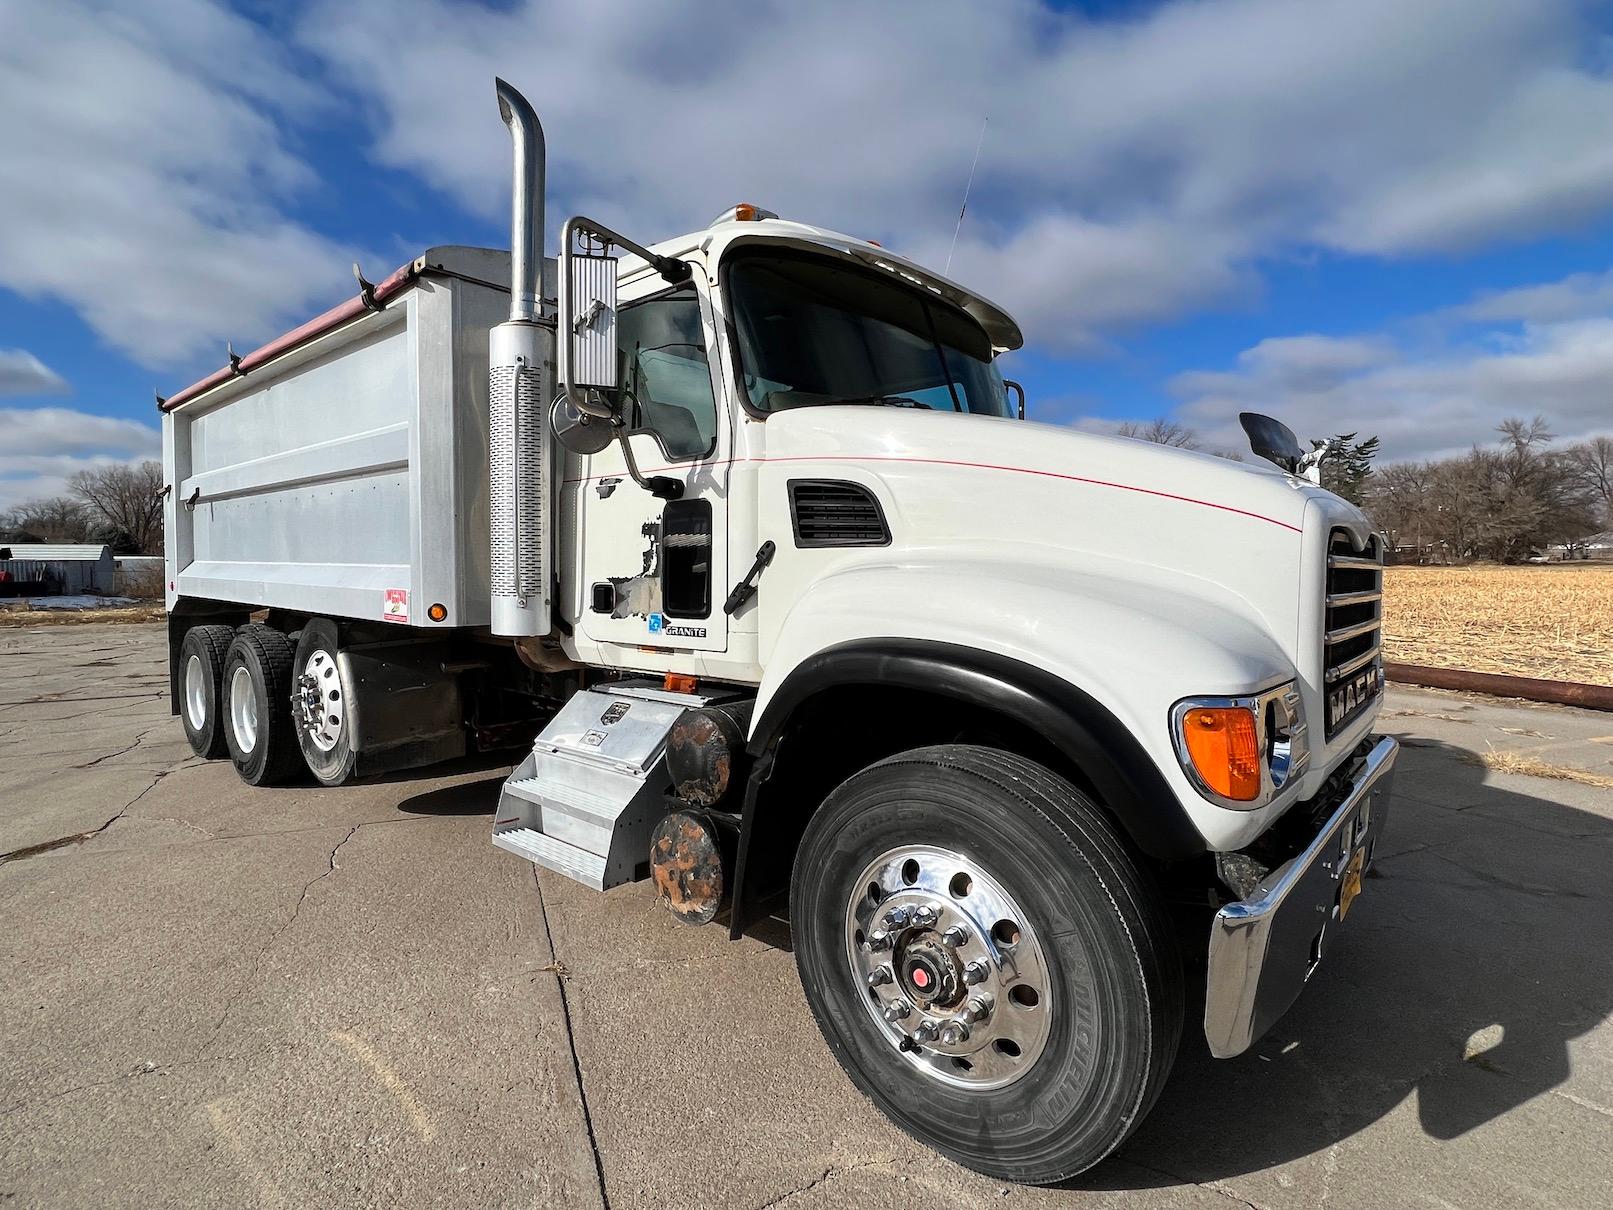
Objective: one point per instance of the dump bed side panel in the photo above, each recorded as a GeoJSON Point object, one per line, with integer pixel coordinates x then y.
{"type": "Point", "coordinates": [348, 478]}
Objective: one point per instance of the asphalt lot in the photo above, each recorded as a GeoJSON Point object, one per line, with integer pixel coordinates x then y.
{"type": "Point", "coordinates": [214, 995]}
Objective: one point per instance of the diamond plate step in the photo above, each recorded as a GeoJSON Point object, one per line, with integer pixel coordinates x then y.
{"type": "Point", "coordinates": [587, 868]}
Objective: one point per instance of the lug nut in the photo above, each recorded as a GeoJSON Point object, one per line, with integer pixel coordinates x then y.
{"type": "Point", "coordinates": [896, 1011]}
{"type": "Point", "coordinates": [927, 1031]}
{"type": "Point", "coordinates": [925, 916]}
{"type": "Point", "coordinates": [955, 936]}
{"type": "Point", "coordinates": [880, 976]}
{"type": "Point", "coordinates": [879, 940]}
{"type": "Point", "coordinates": [954, 1033]}
{"type": "Point", "coordinates": [897, 918]}
{"type": "Point", "coordinates": [975, 972]}
{"type": "Point", "coordinates": [978, 1009]}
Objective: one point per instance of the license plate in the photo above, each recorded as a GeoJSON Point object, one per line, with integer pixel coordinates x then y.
{"type": "Point", "coordinates": [1350, 884]}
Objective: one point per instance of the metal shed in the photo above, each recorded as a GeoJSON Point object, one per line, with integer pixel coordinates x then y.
{"type": "Point", "coordinates": [52, 569]}
{"type": "Point", "coordinates": [138, 575]}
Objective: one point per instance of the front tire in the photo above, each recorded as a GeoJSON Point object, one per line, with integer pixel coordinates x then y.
{"type": "Point", "coordinates": [320, 705]}
{"type": "Point", "coordinates": [257, 697]}
{"type": "Point", "coordinates": [987, 960]}
{"type": "Point", "coordinates": [201, 699]}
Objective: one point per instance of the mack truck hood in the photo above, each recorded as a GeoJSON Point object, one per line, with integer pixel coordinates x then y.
{"type": "Point", "coordinates": [1144, 574]}
{"type": "Point", "coordinates": [1110, 474]}
{"type": "Point", "coordinates": [1236, 535]}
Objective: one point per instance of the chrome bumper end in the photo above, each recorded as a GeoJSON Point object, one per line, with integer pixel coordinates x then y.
{"type": "Point", "coordinates": [1264, 948]}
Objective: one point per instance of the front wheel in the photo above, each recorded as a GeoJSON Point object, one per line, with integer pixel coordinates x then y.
{"type": "Point", "coordinates": [987, 960]}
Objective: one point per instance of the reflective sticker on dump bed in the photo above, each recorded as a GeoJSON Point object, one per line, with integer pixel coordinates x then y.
{"type": "Point", "coordinates": [395, 605]}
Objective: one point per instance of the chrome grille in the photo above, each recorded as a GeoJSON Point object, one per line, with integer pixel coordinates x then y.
{"type": "Point", "coordinates": [1352, 635]}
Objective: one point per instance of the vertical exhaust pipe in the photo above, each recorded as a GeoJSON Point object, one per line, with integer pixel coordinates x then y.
{"type": "Point", "coordinates": [518, 437]}
{"type": "Point", "coordinates": [526, 220]}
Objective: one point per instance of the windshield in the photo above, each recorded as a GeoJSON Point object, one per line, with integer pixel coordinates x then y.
{"type": "Point", "coordinates": [813, 330]}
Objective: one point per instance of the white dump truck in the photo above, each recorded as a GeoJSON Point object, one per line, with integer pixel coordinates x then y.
{"type": "Point", "coordinates": [744, 547]}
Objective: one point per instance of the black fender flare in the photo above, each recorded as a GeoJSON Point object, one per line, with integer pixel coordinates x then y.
{"type": "Point", "coordinates": [1061, 714]}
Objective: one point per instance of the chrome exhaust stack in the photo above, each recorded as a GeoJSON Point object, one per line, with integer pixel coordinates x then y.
{"type": "Point", "coordinates": [518, 437]}
{"type": "Point", "coordinates": [526, 220]}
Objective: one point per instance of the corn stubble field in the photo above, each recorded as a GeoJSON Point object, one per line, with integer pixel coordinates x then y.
{"type": "Point", "coordinates": [1554, 622]}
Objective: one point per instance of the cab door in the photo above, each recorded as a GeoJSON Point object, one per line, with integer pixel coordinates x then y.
{"type": "Point", "coordinates": [654, 572]}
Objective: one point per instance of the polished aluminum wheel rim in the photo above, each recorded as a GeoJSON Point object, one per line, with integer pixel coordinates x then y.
{"type": "Point", "coordinates": [321, 706]}
{"type": "Point", "coordinates": [195, 693]}
{"type": "Point", "coordinates": [243, 711]}
{"type": "Point", "coordinates": [949, 967]}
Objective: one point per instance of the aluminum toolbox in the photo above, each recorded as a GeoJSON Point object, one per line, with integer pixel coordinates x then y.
{"type": "Point", "coordinates": [348, 476]}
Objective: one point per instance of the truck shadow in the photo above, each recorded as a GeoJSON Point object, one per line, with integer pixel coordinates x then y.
{"type": "Point", "coordinates": [1475, 956]}
{"type": "Point", "coordinates": [473, 797]}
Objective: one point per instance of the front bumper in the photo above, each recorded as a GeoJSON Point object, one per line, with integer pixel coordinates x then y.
{"type": "Point", "coordinates": [1264, 948]}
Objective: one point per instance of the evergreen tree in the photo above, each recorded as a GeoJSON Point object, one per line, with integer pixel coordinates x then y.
{"type": "Point", "coordinates": [1348, 465]}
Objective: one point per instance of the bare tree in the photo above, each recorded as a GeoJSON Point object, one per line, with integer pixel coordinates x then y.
{"type": "Point", "coordinates": [1506, 503]}
{"type": "Point", "coordinates": [1400, 499]}
{"type": "Point", "coordinates": [124, 502]}
{"type": "Point", "coordinates": [1593, 464]}
{"type": "Point", "coordinates": [58, 519]}
{"type": "Point", "coordinates": [1160, 431]}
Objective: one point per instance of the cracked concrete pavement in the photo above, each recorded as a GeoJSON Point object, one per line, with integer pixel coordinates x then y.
{"type": "Point", "coordinates": [223, 996]}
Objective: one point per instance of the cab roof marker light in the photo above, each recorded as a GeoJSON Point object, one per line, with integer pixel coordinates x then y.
{"type": "Point", "coordinates": [743, 212]}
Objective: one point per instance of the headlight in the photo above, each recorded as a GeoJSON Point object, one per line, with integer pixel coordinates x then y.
{"type": "Point", "coordinates": [1240, 752]}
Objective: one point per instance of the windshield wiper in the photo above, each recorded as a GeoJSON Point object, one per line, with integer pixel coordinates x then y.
{"type": "Point", "coordinates": [895, 401]}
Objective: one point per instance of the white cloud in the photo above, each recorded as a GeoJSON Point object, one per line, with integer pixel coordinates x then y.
{"type": "Point", "coordinates": [142, 171]}
{"type": "Point", "coordinates": [1133, 168]}
{"type": "Point", "coordinates": [1574, 297]}
{"type": "Point", "coordinates": [1291, 364]}
{"type": "Point", "coordinates": [21, 373]}
{"type": "Point", "coordinates": [1071, 279]}
{"type": "Point", "coordinates": [1422, 400]}
{"type": "Point", "coordinates": [42, 448]}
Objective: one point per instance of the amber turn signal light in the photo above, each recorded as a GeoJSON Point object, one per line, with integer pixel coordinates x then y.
{"type": "Point", "coordinates": [437, 612]}
{"type": "Point", "coordinates": [1225, 751]}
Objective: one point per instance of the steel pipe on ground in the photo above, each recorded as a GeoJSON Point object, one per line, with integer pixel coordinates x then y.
{"type": "Point", "coordinates": [1532, 689]}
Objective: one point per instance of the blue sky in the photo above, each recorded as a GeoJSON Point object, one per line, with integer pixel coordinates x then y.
{"type": "Point", "coordinates": [1368, 215]}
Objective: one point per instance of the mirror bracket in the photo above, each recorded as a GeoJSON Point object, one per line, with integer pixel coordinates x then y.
{"type": "Point", "coordinates": [1019, 392]}
{"type": "Point", "coordinates": [659, 486]}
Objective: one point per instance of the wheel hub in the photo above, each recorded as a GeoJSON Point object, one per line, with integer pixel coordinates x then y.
{"type": "Point", "coordinates": [243, 710]}
{"type": "Point", "coordinates": [195, 692]}
{"type": "Point", "coordinates": [931, 974]}
{"type": "Point", "coordinates": [951, 970]}
{"type": "Point", "coordinates": [319, 702]}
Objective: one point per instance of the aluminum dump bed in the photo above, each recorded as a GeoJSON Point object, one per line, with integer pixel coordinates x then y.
{"type": "Point", "coordinates": [343, 469]}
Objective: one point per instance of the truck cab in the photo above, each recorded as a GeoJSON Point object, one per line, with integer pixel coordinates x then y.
{"type": "Point", "coordinates": [776, 318]}
{"type": "Point", "coordinates": [743, 545]}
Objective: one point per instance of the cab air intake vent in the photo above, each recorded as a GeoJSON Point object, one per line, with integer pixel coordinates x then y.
{"type": "Point", "coordinates": [830, 512]}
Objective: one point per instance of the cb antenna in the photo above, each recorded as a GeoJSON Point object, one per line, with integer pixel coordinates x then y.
{"type": "Point", "coordinates": [979, 143]}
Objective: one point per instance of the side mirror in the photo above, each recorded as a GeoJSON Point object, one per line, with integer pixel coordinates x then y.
{"type": "Point", "coordinates": [591, 325]}
{"type": "Point", "coordinates": [578, 431]}
{"type": "Point", "coordinates": [1010, 385]}
{"type": "Point", "coordinates": [1272, 440]}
